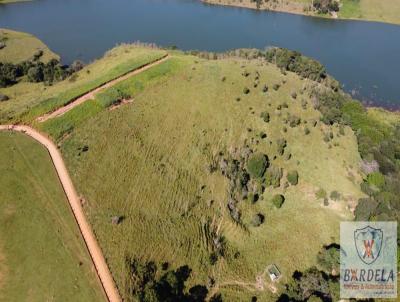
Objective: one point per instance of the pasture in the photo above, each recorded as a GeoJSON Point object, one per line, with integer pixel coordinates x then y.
{"type": "Point", "coordinates": [42, 254]}
{"type": "Point", "coordinates": [149, 160]}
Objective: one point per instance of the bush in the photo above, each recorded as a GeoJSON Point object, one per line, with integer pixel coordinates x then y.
{"type": "Point", "coordinates": [265, 116]}
{"type": "Point", "coordinates": [278, 200]}
{"type": "Point", "coordinates": [76, 66]}
{"type": "Point", "coordinates": [329, 258]}
{"type": "Point", "coordinates": [376, 179]}
{"type": "Point", "coordinates": [35, 74]}
{"type": "Point", "coordinates": [326, 6]}
{"type": "Point", "coordinates": [365, 208]}
{"type": "Point", "coordinates": [111, 97]}
{"type": "Point", "coordinates": [276, 87]}
{"type": "Point", "coordinates": [257, 164]}
{"type": "Point", "coordinates": [321, 194]}
{"type": "Point", "coordinates": [3, 97]}
{"type": "Point", "coordinates": [294, 121]}
{"type": "Point", "coordinates": [296, 62]}
{"type": "Point", "coordinates": [306, 131]}
{"type": "Point", "coordinates": [281, 145]}
{"type": "Point", "coordinates": [263, 135]}
{"type": "Point", "coordinates": [257, 220]}
{"type": "Point", "coordinates": [293, 178]}
{"type": "Point", "coordinates": [246, 90]}
{"type": "Point", "coordinates": [273, 176]}
{"type": "Point", "coordinates": [335, 195]}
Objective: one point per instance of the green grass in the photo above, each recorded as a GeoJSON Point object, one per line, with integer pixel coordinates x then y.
{"type": "Point", "coordinates": [59, 127]}
{"type": "Point", "coordinates": [30, 100]}
{"type": "Point", "coordinates": [371, 10]}
{"type": "Point", "coordinates": [21, 47]}
{"type": "Point", "coordinates": [42, 255]}
{"type": "Point", "coordinates": [147, 161]}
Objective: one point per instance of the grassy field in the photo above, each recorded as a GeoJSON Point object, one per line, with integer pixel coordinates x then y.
{"type": "Point", "coordinates": [147, 161]}
{"type": "Point", "coordinates": [42, 255]}
{"type": "Point", "coordinates": [370, 10]}
{"type": "Point", "coordinates": [21, 47]}
{"type": "Point", "coordinates": [29, 100]}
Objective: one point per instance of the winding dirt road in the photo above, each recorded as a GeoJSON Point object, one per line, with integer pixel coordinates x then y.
{"type": "Point", "coordinates": [90, 95]}
{"type": "Point", "coordinates": [94, 249]}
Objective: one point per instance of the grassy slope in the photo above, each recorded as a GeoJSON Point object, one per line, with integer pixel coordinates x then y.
{"type": "Point", "coordinates": [147, 161]}
{"type": "Point", "coordinates": [24, 96]}
{"type": "Point", "coordinates": [371, 10]}
{"type": "Point", "coordinates": [40, 245]}
{"type": "Point", "coordinates": [21, 47]}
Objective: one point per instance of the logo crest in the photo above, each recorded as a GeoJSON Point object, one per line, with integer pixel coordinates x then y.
{"type": "Point", "coordinates": [368, 243]}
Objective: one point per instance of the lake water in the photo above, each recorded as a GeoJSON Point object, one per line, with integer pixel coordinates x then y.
{"type": "Point", "coordinates": [363, 56]}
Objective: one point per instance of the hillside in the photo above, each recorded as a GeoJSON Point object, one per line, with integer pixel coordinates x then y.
{"type": "Point", "coordinates": [158, 163]}
{"type": "Point", "coordinates": [17, 47]}
{"type": "Point", "coordinates": [369, 10]}
{"type": "Point", "coordinates": [200, 172]}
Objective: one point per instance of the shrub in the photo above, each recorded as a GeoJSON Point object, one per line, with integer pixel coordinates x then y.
{"type": "Point", "coordinates": [293, 177]}
{"type": "Point", "coordinates": [326, 6]}
{"type": "Point", "coordinates": [321, 194]}
{"type": "Point", "coordinates": [246, 90]}
{"type": "Point", "coordinates": [281, 145]}
{"type": "Point", "coordinates": [276, 87]}
{"type": "Point", "coordinates": [335, 195]}
{"type": "Point", "coordinates": [296, 62]}
{"type": "Point", "coordinates": [35, 74]}
{"type": "Point", "coordinates": [294, 121]}
{"type": "Point", "coordinates": [76, 66]}
{"type": "Point", "coordinates": [273, 176]}
{"type": "Point", "coordinates": [257, 164]}
{"type": "Point", "coordinates": [376, 179]}
{"type": "Point", "coordinates": [263, 135]}
{"type": "Point", "coordinates": [265, 116]}
{"type": "Point", "coordinates": [3, 97]}
{"type": "Point", "coordinates": [257, 220]}
{"type": "Point", "coordinates": [294, 95]}
{"type": "Point", "coordinates": [306, 131]}
{"type": "Point", "coordinates": [365, 208]}
{"type": "Point", "coordinates": [278, 200]}
{"type": "Point", "coordinates": [265, 88]}
{"type": "Point", "coordinates": [329, 258]}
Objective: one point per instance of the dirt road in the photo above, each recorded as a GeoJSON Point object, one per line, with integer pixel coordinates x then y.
{"type": "Point", "coordinates": [90, 95]}
{"type": "Point", "coordinates": [94, 249]}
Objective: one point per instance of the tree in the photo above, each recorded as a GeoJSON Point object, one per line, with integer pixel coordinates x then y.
{"type": "Point", "coordinates": [311, 282]}
{"type": "Point", "coordinates": [35, 74]}
{"type": "Point", "coordinates": [329, 258]}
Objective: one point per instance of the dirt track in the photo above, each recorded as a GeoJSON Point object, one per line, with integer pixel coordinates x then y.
{"type": "Point", "coordinates": [90, 95]}
{"type": "Point", "coordinates": [94, 249]}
